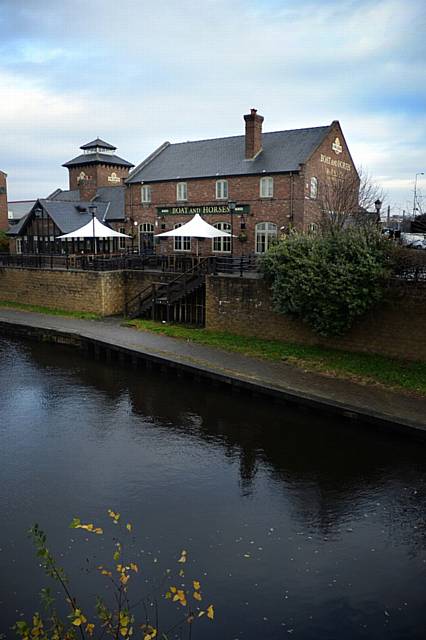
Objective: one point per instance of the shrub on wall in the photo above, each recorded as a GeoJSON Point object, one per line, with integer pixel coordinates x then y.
{"type": "Point", "coordinates": [4, 242]}
{"type": "Point", "coordinates": [328, 280]}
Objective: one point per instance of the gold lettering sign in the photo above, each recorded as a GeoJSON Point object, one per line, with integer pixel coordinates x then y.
{"type": "Point", "coordinates": [337, 147]}
{"type": "Point", "coordinates": [114, 177]}
{"type": "Point", "coordinates": [339, 164]}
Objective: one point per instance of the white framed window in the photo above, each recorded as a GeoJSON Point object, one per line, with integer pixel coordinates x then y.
{"type": "Point", "coordinates": [18, 245]}
{"type": "Point", "coordinates": [181, 243]}
{"type": "Point", "coordinates": [181, 191]}
{"type": "Point", "coordinates": [266, 187]}
{"type": "Point", "coordinates": [222, 244]}
{"type": "Point", "coordinates": [266, 234]}
{"type": "Point", "coordinates": [122, 241]}
{"type": "Point", "coordinates": [145, 194]}
{"type": "Point", "coordinates": [313, 188]}
{"type": "Point", "coordinates": [221, 189]}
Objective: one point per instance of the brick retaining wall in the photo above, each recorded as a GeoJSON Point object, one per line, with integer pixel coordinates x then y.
{"type": "Point", "coordinates": [395, 328]}
{"type": "Point", "coordinates": [102, 292]}
{"type": "Point", "coordinates": [239, 305]}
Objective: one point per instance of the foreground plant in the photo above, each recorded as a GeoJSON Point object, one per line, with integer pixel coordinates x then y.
{"type": "Point", "coordinates": [120, 617]}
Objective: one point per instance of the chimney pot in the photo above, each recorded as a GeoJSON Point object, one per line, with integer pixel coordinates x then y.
{"type": "Point", "coordinates": [253, 134]}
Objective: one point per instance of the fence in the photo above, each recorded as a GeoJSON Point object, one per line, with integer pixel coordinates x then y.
{"type": "Point", "coordinates": [167, 264]}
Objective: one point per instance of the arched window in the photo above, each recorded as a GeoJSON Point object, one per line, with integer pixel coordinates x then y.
{"type": "Point", "coordinates": [266, 234]}
{"type": "Point", "coordinates": [181, 243]}
{"type": "Point", "coordinates": [222, 244]}
{"type": "Point", "coordinates": [313, 190]}
{"type": "Point", "coordinates": [146, 237]}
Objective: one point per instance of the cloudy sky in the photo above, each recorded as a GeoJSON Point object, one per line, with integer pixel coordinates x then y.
{"type": "Point", "coordinates": [137, 73]}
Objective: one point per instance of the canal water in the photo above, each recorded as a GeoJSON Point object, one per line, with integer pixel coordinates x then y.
{"type": "Point", "coordinates": [295, 525]}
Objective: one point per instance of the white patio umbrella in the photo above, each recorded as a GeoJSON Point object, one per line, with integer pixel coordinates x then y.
{"type": "Point", "coordinates": [195, 228]}
{"type": "Point", "coordinates": [93, 229]}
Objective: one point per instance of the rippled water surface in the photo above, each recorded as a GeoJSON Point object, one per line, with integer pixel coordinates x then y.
{"type": "Point", "coordinates": [296, 526]}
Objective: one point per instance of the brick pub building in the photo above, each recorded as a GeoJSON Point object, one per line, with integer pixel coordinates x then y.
{"type": "Point", "coordinates": [273, 179]}
{"type": "Point", "coordinates": [257, 186]}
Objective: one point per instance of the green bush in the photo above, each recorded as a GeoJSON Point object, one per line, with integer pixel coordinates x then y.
{"type": "Point", "coordinates": [4, 242]}
{"type": "Point", "coordinates": [328, 280]}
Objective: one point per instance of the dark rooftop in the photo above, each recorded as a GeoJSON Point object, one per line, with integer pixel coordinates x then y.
{"type": "Point", "coordinates": [98, 143]}
{"type": "Point", "coordinates": [282, 151]}
{"type": "Point", "coordinates": [97, 158]}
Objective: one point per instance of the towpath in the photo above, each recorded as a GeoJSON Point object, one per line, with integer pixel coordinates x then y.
{"type": "Point", "coordinates": [367, 403]}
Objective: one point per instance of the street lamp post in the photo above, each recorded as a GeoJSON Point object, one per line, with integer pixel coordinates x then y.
{"type": "Point", "coordinates": [420, 173]}
{"type": "Point", "coordinates": [378, 206]}
{"type": "Point", "coordinates": [232, 206]}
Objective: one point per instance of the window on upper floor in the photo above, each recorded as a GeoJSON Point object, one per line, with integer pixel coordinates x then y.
{"type": "Point", "coordinates": [221, 189]}
{"type": "Point", "coordinates": [181, 191]}
{"type": "Point", "coordinates": [266, 187]}
{"type": "Point", "coordinates": [313, 189]}
{"type": "Point", "coordinates": [146, 194]}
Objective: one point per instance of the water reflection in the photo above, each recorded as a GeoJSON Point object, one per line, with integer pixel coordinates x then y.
{"type": "Point", "coordinates": [323, 517]}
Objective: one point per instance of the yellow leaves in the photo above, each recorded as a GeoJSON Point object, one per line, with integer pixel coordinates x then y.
{"type": "Point", "coordinates": [114, 516]}
{"type": "Point", "coordinates": [134, 567]}
{"type": "Point", "coordinates": [183, 556]}
{"type": "Point", "coordinates": [196, 585]}
{"type": "Point", "coordinates": [125, 620]}
{"type": "Point", "coordinates": [79, 618]}
{"type": "Point", "coordinates": [197, 596]}
{"type": "Point", "coordinates": [77, 524]}
{"type": "Point", "coordinates": [181, 573]}
{"type": "Point", "coordinates": [178, 595]}
{"type": "Point", "coordinates": [149, 632]}
{"type": "Point", "coordinates": [90, 628]}
{"type": "Point", "coordinates": [129, 526]}
{"type": "Point", "coordinates": [124, 579]}
{"type": "Point", "coordinates": [210, 612]}
{"type": "Point", "coordinates": [105, 572]}
{"type": "Point", "coordinates": [117, 553]}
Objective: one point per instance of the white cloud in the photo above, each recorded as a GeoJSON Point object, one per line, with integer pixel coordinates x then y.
{"type": "Point", "coordinates": [146, 72]}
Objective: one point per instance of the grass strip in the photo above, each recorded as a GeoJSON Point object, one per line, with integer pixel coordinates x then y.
{"type": "Point", "coordinates": [362, 367]}
{"type": "Point", "coordinates": [49, 310]}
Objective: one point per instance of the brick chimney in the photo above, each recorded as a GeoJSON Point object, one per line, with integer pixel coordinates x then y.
{"type": "Point", "coordinates": [4, 222]}
{"type": "Point", "coordinates": [253, 134]}
{"type": "Point", "coordinates": [87, 187]}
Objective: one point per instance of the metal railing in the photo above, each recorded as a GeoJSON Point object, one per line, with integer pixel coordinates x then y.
{"type": "Point", "coordinates": [109, 262]}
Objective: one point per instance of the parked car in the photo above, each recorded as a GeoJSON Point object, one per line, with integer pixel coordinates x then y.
{"type": "Point", "coordinates": [414, 240]}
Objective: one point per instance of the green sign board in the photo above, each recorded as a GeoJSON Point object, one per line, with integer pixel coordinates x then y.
{"type": "Point", "coordinates": [202, 209]}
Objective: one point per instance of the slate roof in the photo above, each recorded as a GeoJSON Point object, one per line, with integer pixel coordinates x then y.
{"type": "Point", "coordinates": [97, 158]}
{"type": "Point", "coordinates": [98, 143]}
{"type": "Point", "coordinates": [65, 215]}
{"type": "Point", "coordinates": [19, 208]}
{"type": "Point", "coordinates": [283, 151]}
{"type": "Point", "coordinates": [115, 196]}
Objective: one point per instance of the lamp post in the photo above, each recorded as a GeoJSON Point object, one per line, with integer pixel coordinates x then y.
{"type": "Point", "coordinates": [420, 173]}
{"type": "Point", "coordinates": [378, 206]}
{"type": "Point", "coordinates": [92, 210]}
{"type": "Point", "coordinates": [232, 206]}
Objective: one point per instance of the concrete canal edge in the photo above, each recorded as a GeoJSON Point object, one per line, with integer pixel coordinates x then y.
{"type": "Point", "coordinates": [99, 348]}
